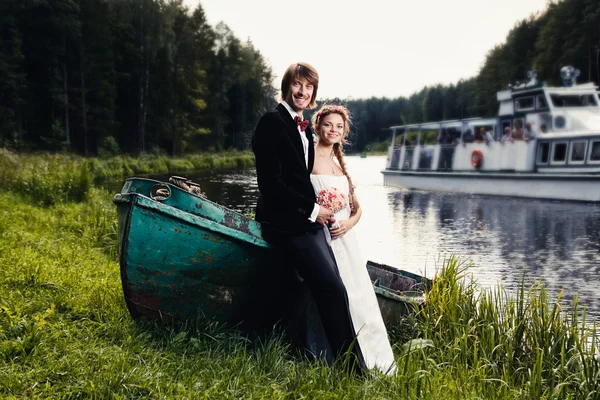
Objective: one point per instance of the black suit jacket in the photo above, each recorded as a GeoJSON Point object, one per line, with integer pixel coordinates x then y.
{"type": "Point", "coordinates": [287, 197]}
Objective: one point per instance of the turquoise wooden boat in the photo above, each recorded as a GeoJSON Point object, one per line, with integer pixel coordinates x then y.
{"type": "Point", "coordinates": [183, 256]}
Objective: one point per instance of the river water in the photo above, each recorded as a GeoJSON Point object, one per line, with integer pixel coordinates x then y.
{"type": "Point", "coordinates": [506, 239]}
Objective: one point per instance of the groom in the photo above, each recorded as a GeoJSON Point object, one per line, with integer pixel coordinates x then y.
{"type": "Point", "coordinates": [287, 210]}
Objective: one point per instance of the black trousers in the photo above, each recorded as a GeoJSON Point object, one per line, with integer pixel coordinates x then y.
{"type": "Point", "coordinates": [312, 257]}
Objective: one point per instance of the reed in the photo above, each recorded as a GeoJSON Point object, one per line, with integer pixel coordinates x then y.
{"type": "Point", "coordinates": [523, 340]}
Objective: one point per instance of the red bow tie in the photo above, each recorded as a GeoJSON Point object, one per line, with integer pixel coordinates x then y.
{"type": "Point", "coordinates": [303, 124]}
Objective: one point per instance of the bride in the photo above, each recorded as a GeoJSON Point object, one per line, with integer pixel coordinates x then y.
{"type": "Point", "coordinates": [334, 189]}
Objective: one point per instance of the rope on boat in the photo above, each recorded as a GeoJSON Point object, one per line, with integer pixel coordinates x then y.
{"type": "Point", "coordinates": [161, 194]}
{"type": "Point", "coordinates": [187, 185]}
{"type": "Point", "coordinates": [180, 182]}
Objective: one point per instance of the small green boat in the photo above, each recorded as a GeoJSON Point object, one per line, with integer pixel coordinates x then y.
{"type": "Point", "coordinates": [183, 256]}
{"type": "Point", "coordinates": [398, 292]}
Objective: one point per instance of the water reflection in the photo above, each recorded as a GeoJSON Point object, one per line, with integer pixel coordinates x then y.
{"type": "Point", "coordinates": [556, 243]}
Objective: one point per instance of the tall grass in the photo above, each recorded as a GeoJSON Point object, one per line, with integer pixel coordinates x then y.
{"type": "Point", "coordinates": [65, 332]}
{"type": "Point", "coordinates": [45, 178]}
{"type": "Point", "coordinates": [524, 340]}
{"type": "Point", "coordinates": [124, 166]}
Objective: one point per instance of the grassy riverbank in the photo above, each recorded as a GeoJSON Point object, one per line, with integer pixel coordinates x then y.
{"type": "Point", "coordinates": [50, 178]}
{"type": "Point", "coordinates": [65, 331]}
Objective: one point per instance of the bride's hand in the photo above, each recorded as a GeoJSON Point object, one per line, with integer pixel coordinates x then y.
{"type": "Point", "coordinates": [340, 229]}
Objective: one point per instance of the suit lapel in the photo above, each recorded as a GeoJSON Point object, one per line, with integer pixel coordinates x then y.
{"type": "Point", "coordinates": [311, 149]}
{"type": "Point", "coordinates": [292, 131]}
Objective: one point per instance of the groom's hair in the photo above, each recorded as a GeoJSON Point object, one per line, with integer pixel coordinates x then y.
{"type": "Point", "coordinates": [300, 70]}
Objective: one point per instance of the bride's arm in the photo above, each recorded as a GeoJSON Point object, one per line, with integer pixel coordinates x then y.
{"type": "Point", "coordinates": [347, 224]}
{"type": "Point", "coordinates": [356, 212]}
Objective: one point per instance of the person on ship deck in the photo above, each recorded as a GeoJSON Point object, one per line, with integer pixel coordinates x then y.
{"type": "Point", "coordinates": [518, 133]}
{"type": "Point", "coordinates": [507, 137]}
{"type": "Point", "coordinates": [479, 138]}
{"type": "Point", "coordinates": [529, 132]}
{"type": "Point", "coordinates": [467, 137]}
{"type": "Point", "coordinates": [483, 135]}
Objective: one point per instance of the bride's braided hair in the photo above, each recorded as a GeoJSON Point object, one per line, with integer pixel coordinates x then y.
{"type": "Point", "coordinates": [338, 148]}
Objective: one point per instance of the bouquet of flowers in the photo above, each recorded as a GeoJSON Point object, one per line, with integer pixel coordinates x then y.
{"type": "Point", "coordinates": [332, 198]}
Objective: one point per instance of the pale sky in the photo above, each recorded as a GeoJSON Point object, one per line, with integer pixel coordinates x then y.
{"type": "Point", "coordinates": [381, 48]}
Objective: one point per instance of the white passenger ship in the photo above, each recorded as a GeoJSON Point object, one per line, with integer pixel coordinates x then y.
{"type": "Point", "coordinates": [561, 160]}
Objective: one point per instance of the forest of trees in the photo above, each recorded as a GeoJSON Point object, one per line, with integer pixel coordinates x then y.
{"type": "Point", "coordinates": [134, 76]}
{"type": "Point", "coordinates": [129, 76]}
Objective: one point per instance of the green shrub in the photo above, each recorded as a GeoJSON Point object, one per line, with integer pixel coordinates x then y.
{"type": "Point", "coordinates": [108, 147]}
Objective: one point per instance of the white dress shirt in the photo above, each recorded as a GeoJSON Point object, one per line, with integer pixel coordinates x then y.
{"type": "Point", "coordinates": [303, 138]}
{"type": "Point", "coordinates": [294, 114]}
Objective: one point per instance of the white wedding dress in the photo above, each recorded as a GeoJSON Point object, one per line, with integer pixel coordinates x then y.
{"type": "Point", "coordinates": [364, 309]}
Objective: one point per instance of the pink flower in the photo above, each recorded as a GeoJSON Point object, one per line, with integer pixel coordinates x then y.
{"type": "Point", "coordinates": [332, 198]}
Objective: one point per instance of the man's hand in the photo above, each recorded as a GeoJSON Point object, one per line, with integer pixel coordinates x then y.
{"type": "Point", "coordinates": [325, 216]}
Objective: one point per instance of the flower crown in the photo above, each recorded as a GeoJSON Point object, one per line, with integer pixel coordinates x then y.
{"type": "Point", "coordinates": [332, 109]}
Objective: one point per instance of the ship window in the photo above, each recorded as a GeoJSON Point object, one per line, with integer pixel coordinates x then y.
{"type": "Point", "coordinates": [524, 103]}
{"type": "Point", "coordinates": [559, 152]}
{"type": "Point", "coordinates": [578, 151]}
{"type": "Point", "coordinates": [573, 100]}
{"type": "Point", "coordinates": [541, 101]}
{"type": "Point", "coordinates": [543, 153]}
{"type": "Point", "coordinates": [595, 153]}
